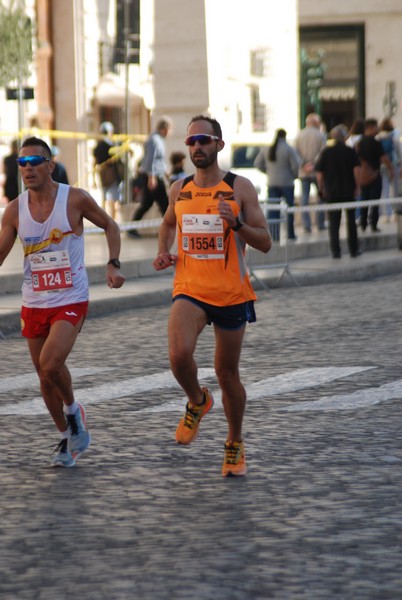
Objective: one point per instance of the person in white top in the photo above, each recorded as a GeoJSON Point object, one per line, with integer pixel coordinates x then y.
{"type": "Point", "coordinates": [48, 218]}
{"type": "Point", "coordinates": [310, 141]}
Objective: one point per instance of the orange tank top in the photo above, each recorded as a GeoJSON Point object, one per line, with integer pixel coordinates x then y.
{"type": "Point", "coordinates": [211, 265]}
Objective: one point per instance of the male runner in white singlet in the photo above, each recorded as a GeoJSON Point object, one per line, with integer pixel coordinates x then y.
{"type": "Point", "coordinates": [48, 218]}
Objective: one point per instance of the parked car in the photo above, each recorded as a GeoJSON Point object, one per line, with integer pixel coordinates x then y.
{"type": "Point", "coordinates": [242, 163]}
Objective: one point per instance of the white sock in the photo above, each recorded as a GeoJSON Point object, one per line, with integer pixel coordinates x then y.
{"type": "Point", "coordinates": [70, 409]}
{"type": "Point", "coordinates": [64, 434]}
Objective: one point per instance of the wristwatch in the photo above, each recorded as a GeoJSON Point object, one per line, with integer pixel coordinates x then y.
{"type": "Point", "coordinates": [238, 224]}
{"type": "Point", "coordinates": [115, 262]}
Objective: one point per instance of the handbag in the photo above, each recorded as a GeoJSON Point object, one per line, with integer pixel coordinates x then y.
{"type": "Point", "coordinates": [367, 173]}
{"type": "Point", "coordinates": [107, 174]}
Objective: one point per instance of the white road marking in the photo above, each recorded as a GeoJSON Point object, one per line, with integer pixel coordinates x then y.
{"type": "Point", "coordinates": [293, 381]}
{"type": "Point", "coordinates": [287, 382]}
{"type": "Point", "coordinates": [28, 380]}
{"type": "Point", "coordinates": [300, 379]}
{"type": "Point", "coordinates": [359, 399]}
{"type": "Point", "coordinates": [105, 392]}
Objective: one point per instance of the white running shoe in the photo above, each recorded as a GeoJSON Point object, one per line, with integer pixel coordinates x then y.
{"type": "Point", "coordinates": [62, 457]}
{"type": "Point", "coordinates": [79, 437]}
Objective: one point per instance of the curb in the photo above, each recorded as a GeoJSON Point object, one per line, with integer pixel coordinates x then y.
{"type": "Point", "coordinates": [156, 291]}
{"type": "Point", "coordinates": [346, 274]}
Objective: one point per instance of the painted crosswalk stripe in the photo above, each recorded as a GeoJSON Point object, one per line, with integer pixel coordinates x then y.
{"type": "Point", "coordinates": [105, 392]}
{"type": "Point", "coordinates": [358, 399]}
{"type": "Point", "coordinates": [18, 382]}
{"type": "Point", "coordinates": [293, 381]}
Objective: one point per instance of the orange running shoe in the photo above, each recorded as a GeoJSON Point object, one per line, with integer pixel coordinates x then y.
{"type": "Point", "coordinates": [234, 462]}
{"type": "Point", "coordinates": [187, 429]}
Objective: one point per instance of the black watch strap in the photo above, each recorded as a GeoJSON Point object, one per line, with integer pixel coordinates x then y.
{"type": "Point", "coordinates": [238, 224]}
{"type": "Point", "coordinates": [115, 262]}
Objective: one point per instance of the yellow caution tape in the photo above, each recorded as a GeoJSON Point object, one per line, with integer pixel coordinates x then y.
{"type": "Point", "coordinates": [78, 135]}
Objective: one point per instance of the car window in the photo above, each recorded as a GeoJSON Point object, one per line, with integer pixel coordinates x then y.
{"type": "Point", "coordinates": [243, 157]}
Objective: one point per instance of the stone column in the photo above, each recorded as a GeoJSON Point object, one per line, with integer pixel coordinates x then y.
{"type": "Point", "coordinates": [44, 60]}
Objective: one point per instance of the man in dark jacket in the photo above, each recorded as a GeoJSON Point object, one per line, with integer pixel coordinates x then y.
{"type": "Point", "coordinates": [338, 181]}
{"type": "Point", "coordinates": [371, 154]}
{"type": "Point", "coordinates": [153, 173]}
{"type": "Point", "coordinates": [59, 173]}
{"type": "Point", "coordinates": [10, 168]}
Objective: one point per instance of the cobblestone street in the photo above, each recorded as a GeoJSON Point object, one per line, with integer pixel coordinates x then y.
{"type": "Point", "coordinates": [319, 514]}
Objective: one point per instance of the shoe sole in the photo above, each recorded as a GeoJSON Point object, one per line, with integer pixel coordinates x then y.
{"type": "Point", "coordinates": [62, 465]}
{"type": "Point", "coordinates": [238, 474]}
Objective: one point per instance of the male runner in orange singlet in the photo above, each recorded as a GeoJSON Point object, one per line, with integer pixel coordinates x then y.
{"type": "Point", "coordinates": [214, 214]}
{"type": "Point", "coordinates": [49, 219]}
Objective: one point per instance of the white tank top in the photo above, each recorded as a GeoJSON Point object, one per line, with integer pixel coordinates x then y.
{"type": "Point", "coordinates": [54, 270]}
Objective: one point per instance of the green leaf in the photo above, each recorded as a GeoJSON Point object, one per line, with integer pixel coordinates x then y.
{"type": "Point", "coordinates": [16, 46]}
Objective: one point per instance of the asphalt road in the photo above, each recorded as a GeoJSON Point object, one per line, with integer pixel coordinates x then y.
{"type": "Point", "coordinates": [319, 514]}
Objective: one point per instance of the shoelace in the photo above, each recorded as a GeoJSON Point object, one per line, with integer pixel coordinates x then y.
{"type": "Point", "coordinates": [72, 423]}
{"type": "Point", "coordinates": [192, 417]}
{"type": "Point", "coordinates": [61, 446]}
{"type": "Point", "coordinates": [232, 454]}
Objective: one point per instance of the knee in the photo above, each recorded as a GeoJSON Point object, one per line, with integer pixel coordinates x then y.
{"type": "Point", "coordinates": [227, 376]}
{"type": "Point", "coordinates": [48, 372]}
{"type": "Point", "coordinates": [179, 358]}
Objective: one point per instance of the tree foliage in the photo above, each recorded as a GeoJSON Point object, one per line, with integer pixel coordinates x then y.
{"type": "Point", "coordinates": [15, 45]}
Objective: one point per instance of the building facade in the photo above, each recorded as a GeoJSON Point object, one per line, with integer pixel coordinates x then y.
{"type": "Point", "coordinates": [253, 68]}
{"type": "Point", "coordinates": [189, 58]}
{"type": "Point", "coordinates": [351, 49]}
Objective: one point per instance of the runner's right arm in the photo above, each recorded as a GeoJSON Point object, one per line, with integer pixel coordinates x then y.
{"type": "Point", "coordinates": [167, 232]}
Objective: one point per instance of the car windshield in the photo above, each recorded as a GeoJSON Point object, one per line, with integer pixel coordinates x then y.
{"type": "Point", "coordinates": [244, 156]}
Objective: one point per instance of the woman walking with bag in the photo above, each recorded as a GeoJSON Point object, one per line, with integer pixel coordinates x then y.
{"type": "Point", "coordinates": [281, 164]}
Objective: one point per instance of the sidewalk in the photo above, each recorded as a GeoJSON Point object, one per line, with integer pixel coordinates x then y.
{"type": "Point", "coordinates": [308, 262]}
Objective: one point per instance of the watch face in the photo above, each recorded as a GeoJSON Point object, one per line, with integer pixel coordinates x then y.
{"type": "Point", "coordinates": [238, 225]}
{"type": "Point", "coordinates": [115, 262]}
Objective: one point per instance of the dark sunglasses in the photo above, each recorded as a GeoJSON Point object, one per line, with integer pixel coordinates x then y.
{"type": "Point", "coordinates": [202, 138]}
{"type": "Point", "coordinates": [34, 161]}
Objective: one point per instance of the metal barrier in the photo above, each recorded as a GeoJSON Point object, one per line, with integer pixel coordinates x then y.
{"type": "Point", "coordinates": [144, 224]}
{"type": "Point", "coordinates": [276, 214]}
{"type": "Point", "coordinates": [343, 205]}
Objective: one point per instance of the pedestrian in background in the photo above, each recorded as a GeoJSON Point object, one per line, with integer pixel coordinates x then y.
{"type": "Point", "coordinates": [214, 215]}
{"type": "Point", "coordinates": [49, 220]}
{"type": "Point", "coordinates": [176, 166]}
{"type": "Point", "coordinates": [59, 173]}
{"type": "Point", "coordinates": [355, 133]}
{"type": "Point", "coordinates": [388, 137]}
{"type": "Point", "coordinates": [371, 155]}
{"type": "Point", "coordinates": [309, 143]}
{"type": "Point", "coordinates": [281, 163]}
{"type": "Point", "coordinates": [107, 167]}
{"type": "Point", "coordinates": [338, 181]}
{"type": "Point", "coordinates": [10, 169]}
{"type": "Point", "coordinates": [154, 173]}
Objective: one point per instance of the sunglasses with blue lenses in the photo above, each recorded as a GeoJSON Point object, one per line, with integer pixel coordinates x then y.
{"type": "Point", "coordinates": [202, 138]}
{"type": "Point", "coordinates": [34, 160]}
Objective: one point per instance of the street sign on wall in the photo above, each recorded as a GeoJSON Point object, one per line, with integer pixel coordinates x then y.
{"type": "Point", "coordinates": [25, 93]}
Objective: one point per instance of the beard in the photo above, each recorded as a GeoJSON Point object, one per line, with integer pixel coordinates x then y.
{"type": "Point", "coordinates": [202, 161]}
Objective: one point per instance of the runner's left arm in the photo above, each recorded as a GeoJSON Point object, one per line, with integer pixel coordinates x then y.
{"type": "Point", "coordinates": [91, 211]}
{"type": "Point", "coordinates": [254, 230]}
